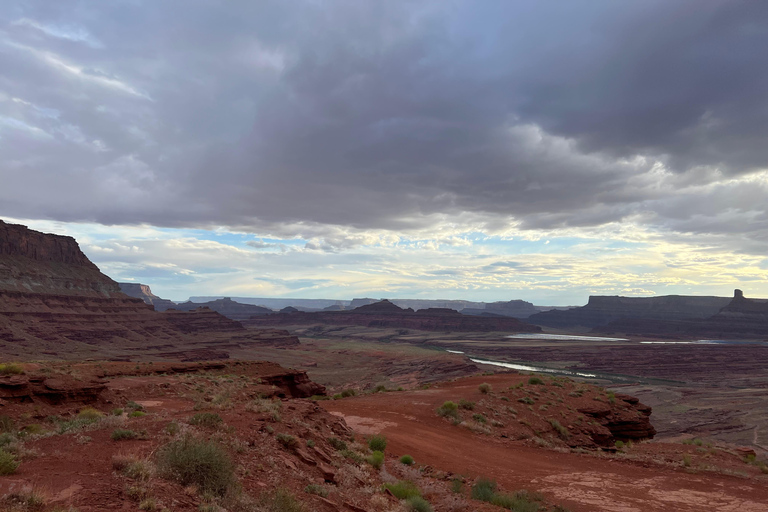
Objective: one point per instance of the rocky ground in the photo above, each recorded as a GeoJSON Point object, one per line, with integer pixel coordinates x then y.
{"type": "Point", "coordinates": [99, 436]}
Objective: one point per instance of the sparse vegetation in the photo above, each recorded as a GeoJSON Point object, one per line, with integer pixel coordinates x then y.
{"type": "Point", "coordinates": [117, 412]}
{"type": "Point", "coordinates": [479, 418]}
{"type": "Point", "coordinates": [11, 369]}
{"type": "Point", "coordinates": [192, 461]}
{"type": "Point", "coordinates": [535, 381]}
{"type": "Point", "coordinates": [418, 504]}
{"type": "Point", "coordinates": [206, 420]}
{"type": "Point", "coordinates": [8, 463]}
{"type": "Point", "coordinates": [561, 430]}
{"type": "Point", "coordinates": [526, 400]}
{"type": "Point", "coordinates": [121, 434]}
{"type": "Point", "coordinates": [337, 443]}
{"type": "Point", "coordinates": [287, 440]}
{"type": "Point", "coordinates": [376, 459]}
{"type": "Point", "coordinates": [407, 460]}
{"type": "Point", "coordinates": [448, 410]}
{"type": "Point", "coordinates": [26, 500]}
{"type": "Point", "coordinates": [403, 489]}
{"type": "Point", "coordinates": [377, 443]}
{"type": "Point", "coordinates": [521, 501]}
{"type": "Point", "coordinates": [485, 388]}
{"type": "Point", "coordinates": [137, 414]}
{"type": "Point", "coordinates": [348, 393]}
{"type": "Point", "coordinates": [89, 413]}
{"type": "Point", "coordinates": [280, 500]}
{"type": "Point", "coordinates": [316, 489]}
{"type": "Point", "coordinates": [466, 404]}
{"type": "Point", "coordinates": [270, 407]}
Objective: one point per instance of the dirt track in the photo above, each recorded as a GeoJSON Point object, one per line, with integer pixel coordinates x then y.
{"type": "Point", "coordinates": [580, 482]}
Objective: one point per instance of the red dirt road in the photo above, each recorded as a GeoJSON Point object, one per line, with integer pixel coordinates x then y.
{"type": "Point", "coordinates": [581, 482]}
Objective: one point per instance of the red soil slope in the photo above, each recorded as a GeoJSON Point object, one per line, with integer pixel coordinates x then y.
{"type": "Point", "coordinates": [654, 480]}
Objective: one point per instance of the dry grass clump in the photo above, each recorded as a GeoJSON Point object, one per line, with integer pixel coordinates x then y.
{"type": "Point", "coordinates": [11, 369]}
{"type": "Point", "coordinates": [192, 461]}
{"type": "Point", "coordinates": [270, 407]}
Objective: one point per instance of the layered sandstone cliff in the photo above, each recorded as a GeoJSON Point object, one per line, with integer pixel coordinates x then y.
{"type": "Point", "coordinates": [144, 292]}
{"type": "Point", "coordinates": [227, 307]}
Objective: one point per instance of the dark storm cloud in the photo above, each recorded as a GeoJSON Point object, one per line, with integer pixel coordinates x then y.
{"type": "Point", "coordinates": [285, 116]}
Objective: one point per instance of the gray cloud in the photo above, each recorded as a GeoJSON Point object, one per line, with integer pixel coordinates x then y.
{"type": "Point", "coordinates": [313, 118]}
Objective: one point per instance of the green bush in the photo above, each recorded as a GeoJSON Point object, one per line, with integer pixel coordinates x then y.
{"type": "Point", "coordinates": [288, 441]}
{"type": "Point", "coordinates": [380, 389]}
{"type": "Point", "coordinates": [485, 388]}
{"type": "Point", "coordinates": [337, 443]}
{"type": "Point", "coordinates": [466, 404]}
{"type": "Point", "coordinates": [484, 490]}
{"type": "Point", "coordinates": [448, 409]}
{"type": "Point", "coordinates": [456, 486]}
{"type": "Point", "coordinates": [352, 455]}
{"type": "Point", "coordinates": [479, 418]}
{"type": "Point", "coordinates": [191, 461]}
{"type": "Point", "coordinates": [280, 500]}
{"type": "Point", "coordinates": [348, 392]}
{"type": "Point", "coordinates": [117, 412]}
{"type": "Point", "coordinates": [8, 463]}
{"type": "Point", "coordinates": [403, 489]}
{"type": "Point", "coordinates": [10, 369]}
{"type": "Point", "coordinates": [206, 420]}
{"type": "Point", "coordinates": [89, 413]}
{"type": "Point", "coordinates": [134, 406]}
{"type": "Point", "coordinates": [561, 430]}
{"type": "Point", "coordinates": [620, 445]}
{"type": "Point", "coordinates": [407, 460]}
{"type": "Point", "coordinates": [376, 459]}
{"type": "Point", "coordinates": [316, 489]}
{"type": "Point", "coordinates": [377, 443]}
{"type": "Point", "coordinates": [121, 434]}
{"type": "Point", "coordinates": [418, 504]}
{"type": "Point", "coordinates": [137, 414]}
{"type": "Point", "coordinates": [517, 503]}
{"type": "Point", "coordinates": [7, 424]}
{"type": "Point", "coordinates": [535, 381]}
{"type": "Point", "coordinates": [526, 400]}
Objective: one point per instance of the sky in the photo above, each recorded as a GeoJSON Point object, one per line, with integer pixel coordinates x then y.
{"type": "Point", "coordinates": [491, 150]}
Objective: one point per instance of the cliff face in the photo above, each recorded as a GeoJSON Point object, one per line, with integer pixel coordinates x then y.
{"type": "Point", "coordinates": [55, 303]}
{"type": "Point", "coordinates": [143, 292]}
{"type": "Point", "coordinates": [602, 310]}
{"type": "Point", "coordinates": [35, 262]}
{"type": "Point", "coordinates": [384, 314]}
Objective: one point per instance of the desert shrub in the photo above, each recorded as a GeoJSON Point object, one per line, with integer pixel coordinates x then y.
{"type": "Point", "coordinates": [7, 424]}
{"type": "Point", "coordinates": [517, 502]}
{"type": "Point", "coordinates": [620, 445]}
{"type": "Point", "coordinates": [479, 418]}
{"type": "Point", "coordinates": [270, 407]}
{"type": "Point", "coordinates": [8, 463]}
{"type": "Point", "coordinates": [352, 455]}
{"type": "Point", "coordinates": [348, 393]}
{"type": "Point", "coordinates": [526, 400]}
{"type": "Point", "coordinates": [379, 389]}
{"type": "Point", "coordinates": [25, 500]}
{"type": "Point", "coordinates": [134, 406]}
{"type": "Point", "coordinates": [319, 397]}
{"type": "Point", "coordinates": [448, 410]}
{"type": "Point", "coordinates": [172, 428]}
{"type": "Point", "coordinates": [456, 485]}
{"type": "Point", "coordinates": [33, 429]}
{"type": "Point", "coordinates": [687, 460]}
{"type": "Point", "coordinates": [148, 504]}
{"type": "Point", "coordinates": [418, 504]}
{"type": "Point", "coordinates": [337, 396]}
{"type": "Point", "coordinates": [137, 414]}
{"type": "Point", "coordinates": [138, 470]}
{"type": "Point", "coordinates": [377, 443]}
{"type": "Point", "coordinates": [117, 412]}
{"type": "Point", "coordinates": [121, 434]}
{"type": "Point", "coordinates": [376, 459]}
{"type": "Point", "coordinates": [206, 420]}
{"type": "Point", "coordinates": [10, 369]}
{"type": "Point", "coordinates": [191, 461]}
{"type": "Point", "coordinates": [466, 404]}
{"type": "Point", "coordinates": [403, 489]}
{"type": "Point", "coordinates": [316, 489]}
{"type": "Point", "coordinates": [287, 440]}
{"type": "Point", "coordinates": [89, 413]}
{"type": "Point", "coordinates": [280, 500]}
{"type": "Point", "coordinates": [484, 490]}
{"type": "Point", "coordinates": [561, 430]}
{"type": "Point", "coordinates": [485, 388]}
{"type": "Point", "coordinates": [337, 443]}
{"type": "Point", "coordinates": [407, 460]}
{"type": "Point", "coordinates": [535, 381]}
{"type": "Point", "coordinates": [310, 443]}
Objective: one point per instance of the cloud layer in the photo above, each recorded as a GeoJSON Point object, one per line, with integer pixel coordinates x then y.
{"type": "Point", "coordinates": [351, 125]}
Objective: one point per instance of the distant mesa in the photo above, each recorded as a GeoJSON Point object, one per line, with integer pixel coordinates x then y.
{"type": "Point", "coordinates": [227, 307]}
{"type": "Point", "coordinates": [385, 314]}
{"type": "Point", "coordinates": [602, 310]}
{"type": "Point", "coordinates": [740, 317]}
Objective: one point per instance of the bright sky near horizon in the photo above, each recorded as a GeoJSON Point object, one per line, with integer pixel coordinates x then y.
{"type": "Point", "coordinates": [438, 149]}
